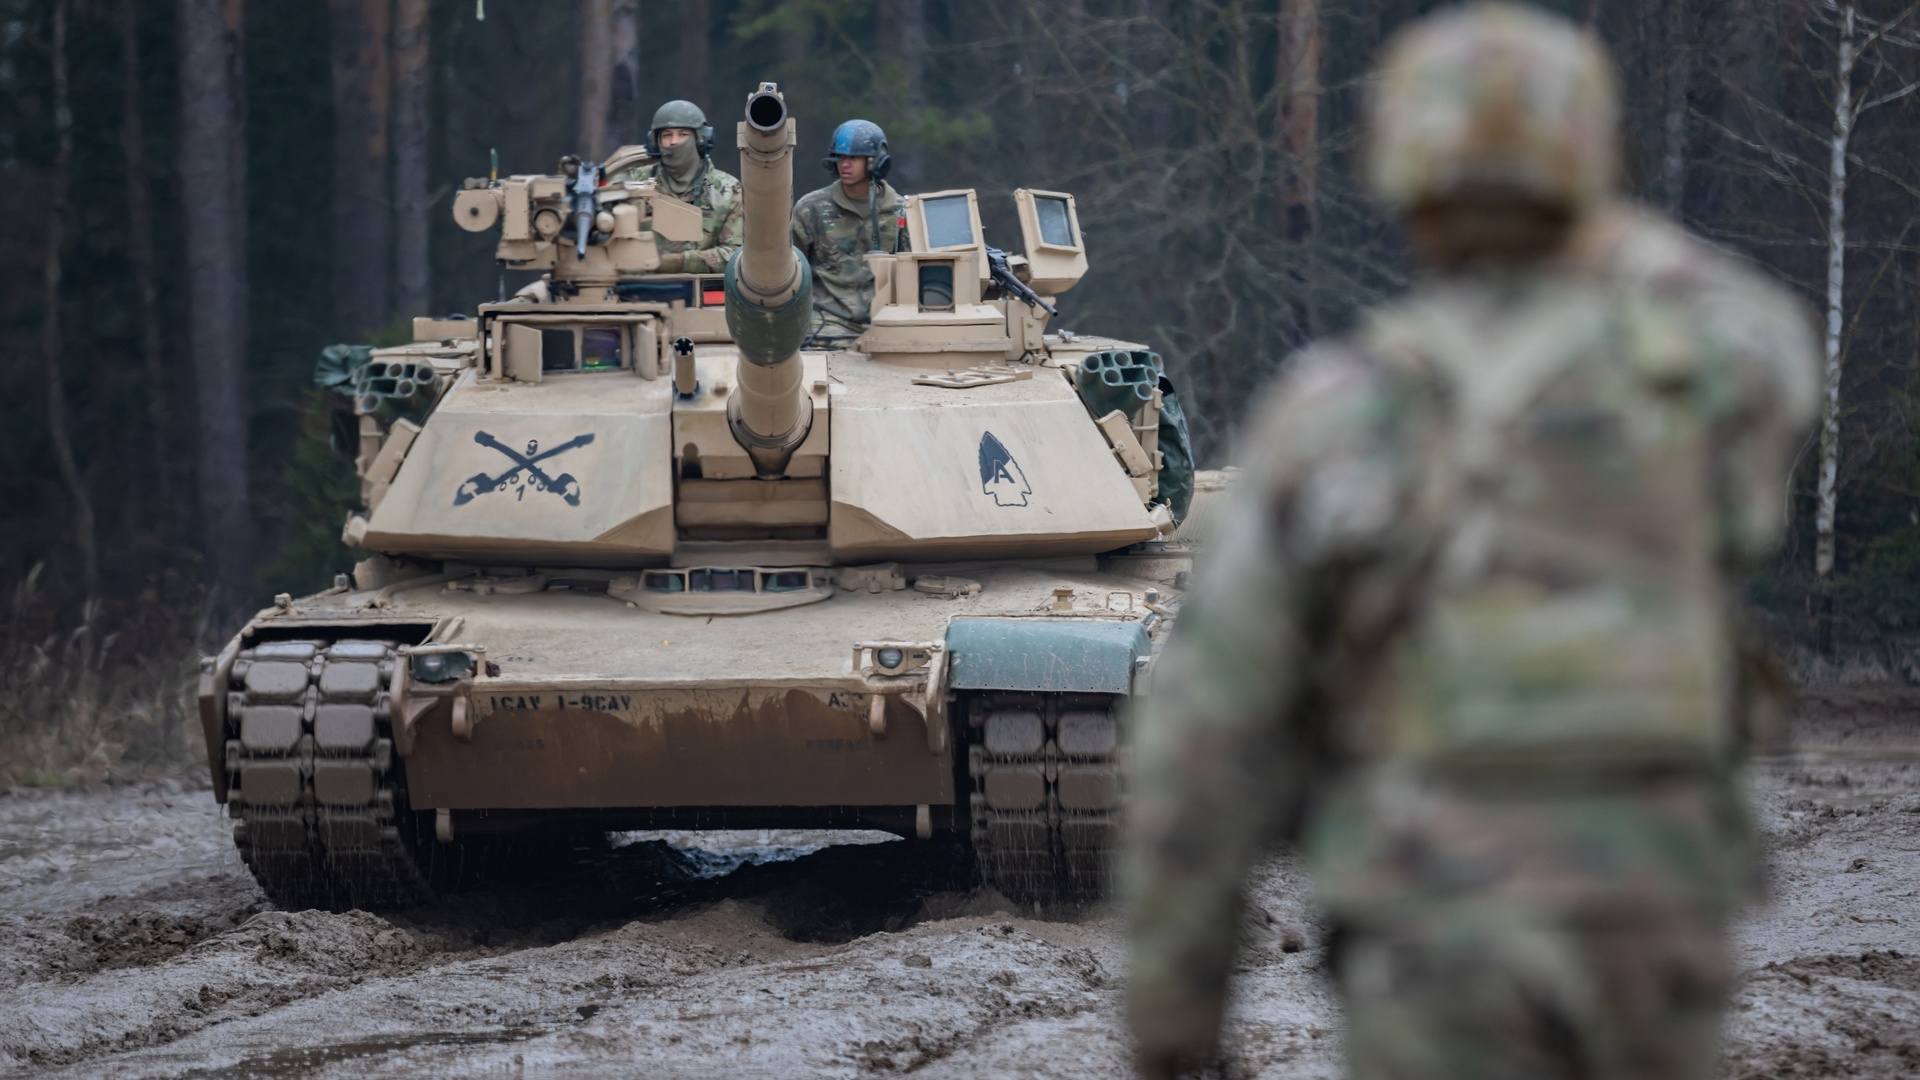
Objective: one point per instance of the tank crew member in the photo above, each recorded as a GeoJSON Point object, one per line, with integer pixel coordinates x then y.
{"type": "Point", "coordinates": [837, 225]}
{"type": "Point", "coordinates": [1467, 632]}
{"type": "Point", "coordinates": [681, 141]}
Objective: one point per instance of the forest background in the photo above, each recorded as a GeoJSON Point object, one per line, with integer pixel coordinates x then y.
{"type": "Point", "coordinates": [201, 194]}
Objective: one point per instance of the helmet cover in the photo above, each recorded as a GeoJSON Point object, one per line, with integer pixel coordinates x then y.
{"type": "Point", "coordinates": [859, 138]}
{"type": "Point", "coordinates": [678, 114]}
{"type": "Point", "coordinates": [1494, 99]}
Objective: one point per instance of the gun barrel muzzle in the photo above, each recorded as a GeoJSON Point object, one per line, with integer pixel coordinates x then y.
{"type": "Point", "coordinates": [768, 275]}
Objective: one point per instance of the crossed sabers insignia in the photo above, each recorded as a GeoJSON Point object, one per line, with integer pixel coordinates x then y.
{"type": "Point", "coordinates": [528, 463]}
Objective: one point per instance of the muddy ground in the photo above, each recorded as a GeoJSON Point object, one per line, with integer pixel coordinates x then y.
{"type": "Point", "coordinates": [133, 943]}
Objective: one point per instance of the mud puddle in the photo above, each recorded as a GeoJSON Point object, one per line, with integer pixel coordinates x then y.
{"type": "Point", "coordinates": [132, 943]}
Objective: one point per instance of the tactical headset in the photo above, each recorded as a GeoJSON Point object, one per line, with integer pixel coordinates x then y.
{"type": "Point", "coordinates": [879, 161]}
{"type": "Point", "coordinates": [702, 138]}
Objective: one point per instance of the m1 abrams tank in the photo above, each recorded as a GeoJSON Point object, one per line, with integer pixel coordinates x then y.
{"type": "Point", "coordinates": [645, 561]}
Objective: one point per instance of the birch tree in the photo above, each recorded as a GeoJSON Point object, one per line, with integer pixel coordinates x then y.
{"type": "Point", "coordinates": [1855, 44]}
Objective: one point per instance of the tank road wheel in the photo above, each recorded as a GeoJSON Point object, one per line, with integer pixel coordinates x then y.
{"type": "Point", "coordinates": [320, 796]}
{"type": "Point", "coordinates": [1045, 794]}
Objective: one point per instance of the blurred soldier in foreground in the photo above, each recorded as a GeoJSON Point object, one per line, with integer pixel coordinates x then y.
{"type": "Point", "coordinates": [1468, 634]}
{"type": "Point", "coordinates": [681, 142]}
{"type": "Point", "coordinates": [837, 225]}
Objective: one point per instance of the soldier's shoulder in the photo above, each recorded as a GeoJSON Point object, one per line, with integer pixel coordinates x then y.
{"type": "Point", "coordinates": [1752, 329]}
{"type": "Point", "coordinates": [722, 182]}
{"type": "Point", "coordinates": [1651, 252]}
{"type": "Point", "coordinates": [1344, 383]}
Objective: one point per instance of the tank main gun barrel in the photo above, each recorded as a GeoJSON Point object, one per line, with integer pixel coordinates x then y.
{"type": "Point", "coordinates": [769, 293]}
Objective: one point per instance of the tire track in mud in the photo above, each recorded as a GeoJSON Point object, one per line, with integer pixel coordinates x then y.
{"type": "Point", "coordinates": [271, 960]}
{"type": "Point", "coordinates": [133, 944]}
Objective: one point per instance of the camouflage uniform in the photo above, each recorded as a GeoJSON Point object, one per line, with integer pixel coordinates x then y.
{"type": "Point", "coordinates": [717, 194]}
{"type": "Point", "coordinates": [1466, 634]}
{"type": "Point", "coordinates": [835, 234]}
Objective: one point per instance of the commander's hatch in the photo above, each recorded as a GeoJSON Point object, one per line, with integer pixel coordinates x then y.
{"type": "Point", "coordinates": [927, 300]}
{"type": "Point", "coordinates": [1050, 232]}
{"type": "Point", "coordinates": [537, 216]}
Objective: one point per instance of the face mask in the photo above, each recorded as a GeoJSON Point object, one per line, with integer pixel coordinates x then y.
{"type": "Point", "coordinates": [678, 163]}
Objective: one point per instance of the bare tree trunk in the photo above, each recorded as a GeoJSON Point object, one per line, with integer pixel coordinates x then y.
{"type": "Point", "coordinates": [1843, 116]}
{"type": "Point", "coordinates": [212, 149]}
{"type": "Point", "coordinates": [140, 257]}
{"type": "Point", "coordinates": [412, 268]}
{"type": "Point", "coordinates": [1146, 57]}
{"type": "Point", "coordinates": [362, 206]}
{"type": "Point", "coordinates": [1297, 131]}
{"type": "Point", "coordinates": [1297, 121]}
{"type": "Point", "coordinates": [623, 108]}
{"type": "Point", "coordinates": [903, 41]}
{"type": "Point", "coordinates": [52, 343]}
{"type": "Point", "coordinates": [693, 77]}
{"type": "Point", "coordinates": [596, 77]}
{"type": "Point", "coordinates": [1679, 75]}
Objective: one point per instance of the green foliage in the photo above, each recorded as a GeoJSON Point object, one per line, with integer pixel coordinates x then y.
{"type": "Point", "coordinates": [318, 491]}
{"type": "Point", "coordinates": [1883, 586]}
{"type": "Point", "coordinates": [849, 78]}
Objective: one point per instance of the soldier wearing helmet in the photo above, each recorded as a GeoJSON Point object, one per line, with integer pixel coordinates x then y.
{"type": "Point", "coordinates": [1467, 634]}
{"type": "Point", "coordinates": [681, 143]}
{"type": "Point", "coordinates": [837, 225]}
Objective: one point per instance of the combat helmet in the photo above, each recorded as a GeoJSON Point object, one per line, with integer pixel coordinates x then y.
{"type": "Point", "coordinates": [1495, 99]}
{"type": "Point", "coordinates": [860, 138]}
{"type": "Point", "coordinates": [680, 113]}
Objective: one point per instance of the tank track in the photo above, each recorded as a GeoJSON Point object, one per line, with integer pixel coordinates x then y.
{"type": "Point", "coordinates": [1046, 794]}
{"type": "Point", "coordinates": [320, 797]}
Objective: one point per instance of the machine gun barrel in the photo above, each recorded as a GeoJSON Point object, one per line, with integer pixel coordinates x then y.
{"type": "Point", "coordinates": [1004, 277]}
{"type": "Point", "coordinates": [769, 293]}
{"type": "Point", "coordinates": [584, 194]}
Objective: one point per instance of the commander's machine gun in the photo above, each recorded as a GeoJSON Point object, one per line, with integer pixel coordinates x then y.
{"type": "Point", "coordinates": [1003, 276]}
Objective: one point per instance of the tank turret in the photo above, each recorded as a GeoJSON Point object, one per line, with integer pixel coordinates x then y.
{"type": "Point", "coordinates": [769, 294]}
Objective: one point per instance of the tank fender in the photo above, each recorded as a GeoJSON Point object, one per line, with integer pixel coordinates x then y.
{"type": "Point", "coordinates": [215, 672]}
{"type": "Point", "coordinates": [1058, 655]}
